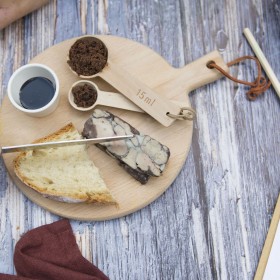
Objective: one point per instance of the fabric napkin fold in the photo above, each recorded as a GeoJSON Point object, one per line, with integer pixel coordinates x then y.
{"type": "Point", "coordinates": [50, 252]}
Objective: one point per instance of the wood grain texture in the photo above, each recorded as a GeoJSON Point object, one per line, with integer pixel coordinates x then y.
{"type": "Point", "coordinates": [213, 220]}
{"type": "Point", "coordinates": [171, 83]}
{"type": "Point", "coordinates": [129, 193]}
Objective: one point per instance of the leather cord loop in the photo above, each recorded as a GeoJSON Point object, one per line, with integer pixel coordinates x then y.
{"type": "Point", "coordinates": [259, 86]}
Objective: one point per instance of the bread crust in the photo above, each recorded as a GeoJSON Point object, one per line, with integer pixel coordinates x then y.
{"type": "Point", "coordinates": [93, 197]}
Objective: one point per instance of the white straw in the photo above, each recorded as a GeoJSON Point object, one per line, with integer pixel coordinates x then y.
{"type": "Point", "coordinates": [260, 55]}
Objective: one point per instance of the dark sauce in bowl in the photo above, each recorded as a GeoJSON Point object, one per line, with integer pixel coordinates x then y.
{"type": "Point", "coordinates": [36, 92]}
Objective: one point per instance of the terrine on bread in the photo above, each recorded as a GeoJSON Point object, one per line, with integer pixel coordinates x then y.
{"type": "Point", "coordinates": [141, 156]}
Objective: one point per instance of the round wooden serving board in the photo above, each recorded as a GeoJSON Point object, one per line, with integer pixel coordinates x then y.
{"type": "Point", "coordinates": [152, 69]}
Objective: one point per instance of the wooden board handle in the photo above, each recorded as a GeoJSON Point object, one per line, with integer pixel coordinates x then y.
{"type": "Point", "coordinates": [203, 75]}
{"type": "Point", "coordinates": [154, 104]}
{"type": "Point", "coordinates": [197, 74]}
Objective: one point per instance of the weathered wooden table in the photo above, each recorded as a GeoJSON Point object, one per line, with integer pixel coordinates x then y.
{"type": "Point", "coordinates": [213, 220]}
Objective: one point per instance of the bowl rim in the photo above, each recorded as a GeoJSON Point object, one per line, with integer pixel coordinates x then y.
{"type": "Point", "coordinates": [49, 104]}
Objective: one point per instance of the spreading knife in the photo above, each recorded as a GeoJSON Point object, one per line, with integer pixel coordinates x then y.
{"type": "Point", "coordinates": [46, 145]}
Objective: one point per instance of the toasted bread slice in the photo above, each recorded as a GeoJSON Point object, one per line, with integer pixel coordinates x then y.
{"type": "Point", "coordinates": [64, 173]}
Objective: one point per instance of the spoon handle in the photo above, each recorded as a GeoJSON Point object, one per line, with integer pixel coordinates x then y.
{"type": "Point", "coordinates": [116, 100]}
{"type": "Point", "coordinates": [155, 104]}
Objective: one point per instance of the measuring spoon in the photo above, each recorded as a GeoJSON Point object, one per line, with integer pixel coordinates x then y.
{"type": "Point", "coordinates": [104, 98]}
{"type": "Point", "coordinates": [110, 99]}
{"type": "Point", "coordinates": [156, 105]}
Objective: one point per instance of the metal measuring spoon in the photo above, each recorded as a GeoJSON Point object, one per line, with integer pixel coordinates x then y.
{"type": "Point", "coordinates": [156, 105]}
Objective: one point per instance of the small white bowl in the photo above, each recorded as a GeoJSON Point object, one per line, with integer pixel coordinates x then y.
{"type": "Point", "coordinates": [23, 74]}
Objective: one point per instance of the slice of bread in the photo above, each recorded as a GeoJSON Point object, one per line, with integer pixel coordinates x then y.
{"type": "Point", "coordinates": [64, 173]}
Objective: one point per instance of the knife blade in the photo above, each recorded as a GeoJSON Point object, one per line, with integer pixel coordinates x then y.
{"type": "Point", "coordinates": [46, 145]}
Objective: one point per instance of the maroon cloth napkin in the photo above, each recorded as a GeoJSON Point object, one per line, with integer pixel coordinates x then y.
{"type": "Point", "coordinates": [50, 252]}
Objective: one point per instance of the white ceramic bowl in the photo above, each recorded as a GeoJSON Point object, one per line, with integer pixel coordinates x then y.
{"type": "Point", "coordinates": [26, 72]}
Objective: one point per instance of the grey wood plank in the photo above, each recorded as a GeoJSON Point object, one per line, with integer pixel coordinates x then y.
{"type": "Point", "coordinates": [212, 221]}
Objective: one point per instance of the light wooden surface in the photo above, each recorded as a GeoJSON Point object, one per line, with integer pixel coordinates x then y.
{"type": "Point", "coordinates": [265, 64]}
{"type": "Point", "coordinates": [269, 243]}
{"type": "Point", "coordinates": [213, 220]}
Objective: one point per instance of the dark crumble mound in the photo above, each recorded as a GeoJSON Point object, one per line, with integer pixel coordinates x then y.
{"type": "Point", "coordinates": [88, 56]}
{"type": "Point", "coordinates": [84, 95]}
